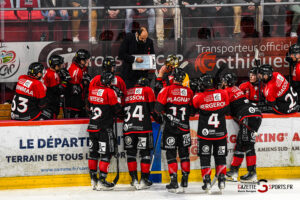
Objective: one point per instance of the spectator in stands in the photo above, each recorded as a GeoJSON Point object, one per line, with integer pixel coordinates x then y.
{"type": "Point", "coordinates": [237, 10]}
{"type": "Point", "coordinates": [220, 14]}
{"type": "Point", "coordinates": [274, 18]}
{"type": "Point", "coordinates": [296, 18]}
{"type": "Point", "coordinates": [77, 16]}
{"type": "Point", "coordinates": [112, 27]}
{"type": "Point", "coordinates": [51, 14]}
{"type": "Point", "coordinates": [168, 12]}
{"type": "Point", "coordinates": [192, 16]}
{"type": "Point", "coordinates": [149, 13]}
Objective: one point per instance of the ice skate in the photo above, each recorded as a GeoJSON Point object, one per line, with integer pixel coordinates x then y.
{"type": "Point", "coordinates": [94, 179]}
{"type": "Point", "coordinates": [134, 180]}
{"type": "Point", "coordinates": [250, 177]}
{"type": "Point", "coordinates": [145, 183]}
{"type": "Point", "coordinates": [232, 174]}
{"type": "Point", "coordinates": [207, 184]}
{"type": "Point", "coordinates": [221, 182]}
{"type": "Point", "coordinates": [184, 181]}
{"type": "Point", "coordinates": [103, 184]}
{"type": "Point", "coordinates": [173, 186]}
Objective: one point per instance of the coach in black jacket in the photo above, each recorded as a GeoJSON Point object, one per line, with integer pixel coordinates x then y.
{"type": "Point", "coordinates": [137, 43]}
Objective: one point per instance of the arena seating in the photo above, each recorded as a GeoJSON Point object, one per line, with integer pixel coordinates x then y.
{"type": "Point", "coordinates": [9, 14]}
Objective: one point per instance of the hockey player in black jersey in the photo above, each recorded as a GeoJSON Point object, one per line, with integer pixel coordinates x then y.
{"type": "Point", "coordinates": [104, 105]}
{"type": "Point", "coordinates": [175, 102]}
{"type": "Point", "coordinates": [249, 118]}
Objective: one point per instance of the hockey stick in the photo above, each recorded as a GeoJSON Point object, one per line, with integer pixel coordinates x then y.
{"type": "Point", "coordinates": [161, 129]}
{"type": "Point", "coordinates": [116, 152]}
{"type": "Point", "coordinates": [216, 176]}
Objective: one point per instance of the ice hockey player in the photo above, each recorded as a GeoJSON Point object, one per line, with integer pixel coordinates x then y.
{"type": "Point", "coordinates": [277, 91]}
{"type": "Point", "coordinates": [104, 105]}
{"type": "Point", "coordinates": [212, 105]}
{"type": "Point", "coordinates": [249, 118]}
{"type": "Point", "coordinates": [117, 84]}
{"type": "Point", "coordinates": [52, 81]}
{"type": "Point", "coordinates": [30, 98]}
{"type": "Point", "coordinates": [137, 130]}
{"type": "Point", "coordinates": [175, 103]}
{"type": "Point", "coordinates": [74, 92]}
{"type": "Point", "coordinates": [251, 87]}
{"type": "Point", "coordinates": [165, 77]}
{"type": "Point", "coordinates": [294, 54]}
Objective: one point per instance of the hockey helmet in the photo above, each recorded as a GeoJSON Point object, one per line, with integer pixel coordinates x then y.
{"type": "Point", "coordinates": [108, 64]}
{"type": "Point", "coordinates": [35, 68]}
{"type": "Point", "coordinates": [229, 78]}
{"type": "Point", "coordinates": [253, 70]}
{"type": "Point", "coordinates": [172, 61]}
{"type": "Point", "coordinates": [55, 60]}
{"type": "Point", "coordinates": [266, 70]}
{"type": "Point", "coordinates": [107, 78]}
{"type": "Point", "coordinates": [82, 54]}
{"type": "Point", "coordinates": [294, 49]}
{"type": "Point", "coordinates": [179, 75]}
{"type": "Point", "coordinates": [195, 85]}
{"type": "Point", "coordinates": [143, 82]}
{"type": "Point", "coordinates": [206, 81]}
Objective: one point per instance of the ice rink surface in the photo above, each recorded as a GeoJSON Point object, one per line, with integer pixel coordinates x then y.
{"type": "Point", "coordinates": [157, 191]}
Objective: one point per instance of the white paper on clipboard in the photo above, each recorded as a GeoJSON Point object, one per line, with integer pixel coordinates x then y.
{"type": "Point", "coordinates": [148, 64]}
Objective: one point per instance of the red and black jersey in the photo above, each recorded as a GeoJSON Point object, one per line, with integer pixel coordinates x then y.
{"type": "Point", "coordinates": [279, 93]}
{"type": "Point", "coordinates": [166, 81]}
{"type": "Point", "coordinates": [212, 105]}
{"type": "Point", "coordinates": [139, 106]}
{"type": "Point", "coordinates": [251, 91]}
{"type": "Point", "coordinates": [118, 82]}
{"type": "Point", "coordinates": [296, 72]}
{"type": "Point", "coordinates": [104, 105]}
{"type": "Point", "coordinates": [52, 81]}
{"type": "Point", "coordinates": [239, 104]}
{"type": "Point", "coordinates": [29, 99]}
{"type": "Point", "coordinates": [76, 73]}
{"type": "Point", "coordinates": [176, 102]}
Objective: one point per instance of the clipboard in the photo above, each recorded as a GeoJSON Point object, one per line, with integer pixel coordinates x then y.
{"type": "Point", "coordinates": [148, 64]}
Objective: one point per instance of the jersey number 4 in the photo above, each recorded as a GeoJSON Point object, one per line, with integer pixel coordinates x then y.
{"type": "Point", "coordinates": [213, 120]}
{"type": "Point", "coordinates": [137, 113]}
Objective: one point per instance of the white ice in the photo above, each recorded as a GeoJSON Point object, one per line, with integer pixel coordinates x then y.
{"type": "Point", "coordinates": [157, 191]}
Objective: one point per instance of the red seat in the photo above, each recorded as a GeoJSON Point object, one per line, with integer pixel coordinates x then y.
{"type": "Point", "coordinates": [35, 15]}
{"type": "Point", "coordinates": [8, 14]}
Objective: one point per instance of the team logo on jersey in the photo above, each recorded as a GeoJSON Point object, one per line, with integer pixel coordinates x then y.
{"type": "Point", "coordinates": [217, 97]}
{"type": "Point", "coordinates": [115, 81]}
{"type": "Point", "coordinates": [221, 150]}
{"type": "Point", "coordinates": [128, 140]}
{"type": "Point", "coordinates": [205, 149]}
{"type": "Point", "coordinates": [27, 83]}
{"type": "Point", "coordinates": [205, 132]}
{"type": "Point", "coordinates": [183, 92]}
{"type": "Point", "coordinates": [100, 92]}
{"type": "Point", "coordinates": [251, 110]}
{"type": "Point", "coordinates": [170, 141]}
{"type": "Point", "coordinates": [91, 145]}
{"type": "Point", "coordinates": [102, 147]}
{"type": "Point", "coordinates": [142, 142]}
{"type": "Point", "coordinates": [138, 91]}
{"type": "Point", "coordinates": [186, 139]}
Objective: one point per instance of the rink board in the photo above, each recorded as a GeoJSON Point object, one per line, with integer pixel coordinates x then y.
{"type": "Point", "coordinates": [54, 153]}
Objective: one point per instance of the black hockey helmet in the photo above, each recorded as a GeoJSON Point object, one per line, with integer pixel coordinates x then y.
{"type": "Point", "coordinates": [107, 78]}
{"type": "Point", "coordinates": [195, 84]}
{"type": "Point", "coordinates": [55, 60]}
{"type": "Point", "coordinates": [206, 81]}
{"type": "Point", "coordinates": [294, 49]}
{"type": "Point", "coordinates": [108, 64]}
{"type": "Point", "coordinates": [143, 82]}
{"type": "Point", "coordinates": [35, 68]}
{"type": "Point", "coordinates": [266, 70]}
{"type": "Point", "coordinates": [253, 70]}
{"type": "Point", "coordinates": [82, 54]}
{"type": "Point", "coordinates": [172, 61]}
{"type": "Point", "coordinates": [229, 78]}
{"type": "Point", "coordinates": [179, 75]}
